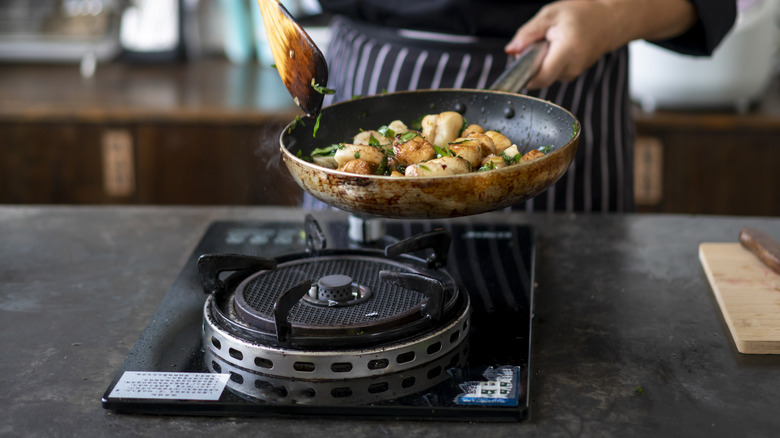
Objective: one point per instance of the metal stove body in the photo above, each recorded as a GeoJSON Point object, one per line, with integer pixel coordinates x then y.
{"type": "Point", "coordinates": [433, 321]}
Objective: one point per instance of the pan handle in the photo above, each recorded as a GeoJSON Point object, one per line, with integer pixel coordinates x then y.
{"type": "Point", "coordinates": [517, 75]}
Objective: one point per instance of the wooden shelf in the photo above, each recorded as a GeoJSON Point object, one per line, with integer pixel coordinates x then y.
{"type": "Point", "coordinates": [204, 132]}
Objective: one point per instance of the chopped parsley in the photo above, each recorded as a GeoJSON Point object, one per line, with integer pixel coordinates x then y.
{"type": "Point", "coordinates": [357, 154]}
{"type": "Point", "coordinates": [372, 141]}
{"type": "Point", "coordinates": [320, 89]}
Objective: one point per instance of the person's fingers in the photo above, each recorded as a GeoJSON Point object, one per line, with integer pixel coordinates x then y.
{"type": "Point", "coordinates": [532, 31]}
{"type": "Point", "coordinates": [552, 67]}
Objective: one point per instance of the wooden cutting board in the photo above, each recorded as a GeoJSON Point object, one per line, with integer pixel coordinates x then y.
{"type": "Point", "coordinates": [748, 293]}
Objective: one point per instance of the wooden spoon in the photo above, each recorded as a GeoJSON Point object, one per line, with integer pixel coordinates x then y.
{"type": "Point", "coordinates": [299, 61]}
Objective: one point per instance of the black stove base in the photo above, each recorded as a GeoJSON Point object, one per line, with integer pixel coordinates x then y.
{"type": "Point", "coordinates": [485, 379]}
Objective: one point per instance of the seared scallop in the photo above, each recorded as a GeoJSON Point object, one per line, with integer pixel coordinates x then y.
{"type": "Point", "coordinates": [357, 166]}
{"type": "Point", "coordinates": [471, 130]}
{"type": "Point", "coordinates": [439, 167]}
{"type": "Point", "coordinates": [511, 151]}
{"type": "Point", "coordinates": [415, 150]}
{"type": "Point", "coordinates": [369, 154]}
{"type": "Point", "coordinates": [469, 149]}
{"type": "Point", "coordinates": [493, 162]}
{"type": "Point", "coordinates": [325, 161]}
{"type": "Point", "coordinates": [485, 143]}
{"type": "Point", "coordinates": [365, 138]}
{"type": "Point", "coordinates": [440, 129]}
{"type": "Point", "coordinates": [500, 141]}
{"type": "Point", "coordinates": [532, 155]}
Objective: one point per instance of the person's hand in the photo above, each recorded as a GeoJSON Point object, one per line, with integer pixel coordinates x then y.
{"type": "Point", "coordinates": [579, 32]}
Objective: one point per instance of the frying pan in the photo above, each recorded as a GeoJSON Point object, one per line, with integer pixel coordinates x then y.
{"type": "Point", "coordinates": [526, 121]}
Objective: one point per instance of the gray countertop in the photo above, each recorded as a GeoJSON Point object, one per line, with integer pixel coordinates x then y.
{"type": "Point", "coordinates": [621, 303]}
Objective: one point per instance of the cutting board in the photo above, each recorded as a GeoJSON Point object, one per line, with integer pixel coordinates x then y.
{"type": "Point", "coordinates": [748, 293]}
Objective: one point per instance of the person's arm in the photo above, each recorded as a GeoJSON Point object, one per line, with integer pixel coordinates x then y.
{"type": "Point", "coordinates": [581, 31]}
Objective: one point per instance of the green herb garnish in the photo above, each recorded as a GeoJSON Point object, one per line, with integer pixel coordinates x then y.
{"type": "Point", "coordinates": [328, 151]}
{"type": "Point", "coordinates": [316, 125]}
{"type": "Point", "coordinates": [417, 123]}
{"type": "Point", "coordinates": [357, 154]}
{"type": "Point", "coordinates": [511, 160]}
{"type": "Point", "coordinates": [386, 132]}
{"type": "Point", "coordinates": [408, 135]}
{"type": "Point", "coordinates": [443, 152]}
{"type": "Point", "coordinates": [465, 125]}
{"type": "Point", "coordinates": [545, 149]}
{"type": "Point", "coordinates": [575, 129]}
{"type": "Point", "coordinates": [320, 89]}
{"type": "Point", "coordinates": [298, 121]}
{"type": "Point", "coordinates": [465, 140]}
{"type": "Point", "coordinates": [487, 166]}
{"type": "Point", "coordinates": [372, 141]}
{"type": "Point", "coordinates": [424, 167]}
{"type": "Point", "coordinates": [382, 169]}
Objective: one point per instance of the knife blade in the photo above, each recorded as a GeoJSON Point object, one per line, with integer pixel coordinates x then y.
{"type": "Point", "coordinates": [762, 245]}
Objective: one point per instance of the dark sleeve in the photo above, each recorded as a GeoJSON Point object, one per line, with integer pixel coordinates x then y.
{"type": "Point", "coordinates": [716, 17]}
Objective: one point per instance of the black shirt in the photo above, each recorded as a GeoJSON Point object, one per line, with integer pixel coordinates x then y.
{"type": "Point", "coordinates": [502, 18]}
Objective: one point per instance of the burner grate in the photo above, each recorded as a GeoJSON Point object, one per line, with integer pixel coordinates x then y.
{"type": "Point", "coordinates": [261, 291]}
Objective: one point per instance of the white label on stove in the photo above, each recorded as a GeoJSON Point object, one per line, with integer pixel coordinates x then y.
{"type": "Point", "coordinates": [170, 386]}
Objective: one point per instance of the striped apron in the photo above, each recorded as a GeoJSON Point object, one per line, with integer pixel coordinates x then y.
{"type": "Point", "coordinates": [366, 60]}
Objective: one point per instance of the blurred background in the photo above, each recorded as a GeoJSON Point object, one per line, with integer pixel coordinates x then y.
{"type": "Point", "coordinates": [175, 102]}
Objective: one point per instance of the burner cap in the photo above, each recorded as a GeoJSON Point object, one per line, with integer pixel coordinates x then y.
{"type": "Point", "coordinates": [335, 287]}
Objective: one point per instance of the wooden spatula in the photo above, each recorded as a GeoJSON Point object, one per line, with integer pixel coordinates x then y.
{"type": "Point", "coordinates": [299, 61]}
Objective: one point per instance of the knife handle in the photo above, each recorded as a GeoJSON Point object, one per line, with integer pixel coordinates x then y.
{"type": "Point", "coordinates": [763, 246]}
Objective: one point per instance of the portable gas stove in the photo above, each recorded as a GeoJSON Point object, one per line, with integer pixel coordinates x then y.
{"type": "Point", "coordinates": [430, 321]}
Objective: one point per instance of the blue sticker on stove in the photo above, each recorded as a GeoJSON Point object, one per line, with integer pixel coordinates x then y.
{"type": "Point", "coordinates": [500, 388]}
